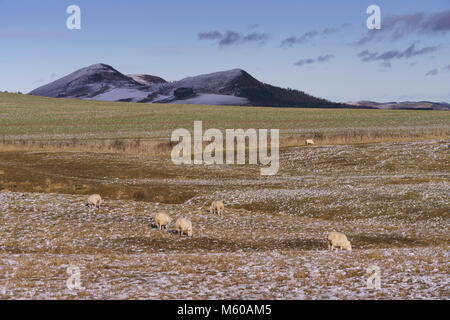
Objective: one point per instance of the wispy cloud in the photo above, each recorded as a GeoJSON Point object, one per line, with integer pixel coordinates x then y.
{"type": "Point", "coordinates": [302, 62]}
{"type": "Point", "coordinates": [210, 35]}
{"type": "Point", "coordinates": [436, 71]}
{"type": "Point", "coordinates": [328, 31]}
{"type": "Point", "coordinates": [432, 72]}
{"type": "Point", "coordinates": [307, 36]}
{"type": "Point", "coordinates": [387, 56]}
{"type": "Point", "coordinates": [400, 26]}
{"type": "Point", "coordinates": [289, 42]}
{"type": "Point", "coordinates": [234, 38]}
{"type": "Point", "coordinates": [230, 37]}
{"type": "Point", "coordinates": [438, 22]}
{"type": "Point", "coordinates": [325, 58]}
{"type": "Point", "coordinates": [319, 59]}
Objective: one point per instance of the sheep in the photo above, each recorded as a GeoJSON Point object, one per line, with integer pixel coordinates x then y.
{"type": "Point", "coordinates": [94, 200]}
{"type": "Point", "coordinates": [338, 239]}
{"type": "Point", "coordinates": [217, 207]}
{"type": "Point", "coordinates": [162, 220]}
{"type": "Point", "coordinates": [184, 226]}
{"type": "Point", "coordinates": [309, 142]}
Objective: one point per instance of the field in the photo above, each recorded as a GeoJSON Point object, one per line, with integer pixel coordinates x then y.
{"type": "Point", "coordinates": [379, 176]}
{"type": "Point", "coordinates": [52, 124]}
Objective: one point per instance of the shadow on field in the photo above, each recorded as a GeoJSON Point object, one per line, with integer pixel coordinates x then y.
{"type": "Point", "coordinates": [382, 241]}
{"type": "Point", "coordinates": [184, 243]}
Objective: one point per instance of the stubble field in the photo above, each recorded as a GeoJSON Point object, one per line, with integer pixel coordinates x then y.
{"type": "Point", "coordinates": [389, 196]}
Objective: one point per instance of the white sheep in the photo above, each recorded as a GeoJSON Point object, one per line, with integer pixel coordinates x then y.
{"type": "Point", "coordinates": [217, 207]}
{"type": "Point", "coordinates": [338, 239]}
{"type": "Point", "coordinates": [94, 200]}
{"type": "Point", "coordinates": [162, 219]}
{"type": "Point", "coordinates": [309, 142]}
{"type": "Point", "coordinates": [184, 226]}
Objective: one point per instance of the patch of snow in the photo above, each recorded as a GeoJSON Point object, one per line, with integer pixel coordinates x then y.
{"type": "Point", "coordinates": [213, 99]}
{"type": "Point", "coordinates": [121, 94]}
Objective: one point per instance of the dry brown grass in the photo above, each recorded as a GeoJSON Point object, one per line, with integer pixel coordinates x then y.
{"type": "Point", "coordinates": [164, 147]}
{"type": "Point", "coordinates": [130, 146]}
{"type": "Point", "coordinates": [364, 137]}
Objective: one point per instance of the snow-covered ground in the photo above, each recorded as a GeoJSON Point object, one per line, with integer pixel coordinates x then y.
{"type": "Point", "coordinates": [242, 255]}
{"type": "Point", "coordinates": [116, 94]}
{"type": "Point", "coordinates": [213, 99]}
{"type": "Point", "coordinates": [391, 200]}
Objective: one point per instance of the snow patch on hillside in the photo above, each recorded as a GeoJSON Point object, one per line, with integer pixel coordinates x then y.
{"type": "Point", "coordinates": [213, 99]}
{"type": "Point", "coordinates": [117, 94]}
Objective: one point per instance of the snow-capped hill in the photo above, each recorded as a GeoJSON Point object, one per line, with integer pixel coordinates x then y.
{"type": "Point", "coordinates": [232, 87]}
{"type": "Point", "coordinates": [86, 83]}
{"type": "Point", "coordinates": [223, 82]}
{"type": "Point", "coordinates": [146, 79]}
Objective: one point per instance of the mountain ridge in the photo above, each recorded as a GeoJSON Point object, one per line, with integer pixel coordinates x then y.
{"type": "Point", "coordinates": [232, 87]}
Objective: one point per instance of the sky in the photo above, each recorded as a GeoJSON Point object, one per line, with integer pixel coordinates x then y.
{"type": "Point", "coordinates": [323, 48]}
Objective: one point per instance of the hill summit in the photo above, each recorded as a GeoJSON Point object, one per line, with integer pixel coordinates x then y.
{"type": "Point", "coordinates": [232, 87]}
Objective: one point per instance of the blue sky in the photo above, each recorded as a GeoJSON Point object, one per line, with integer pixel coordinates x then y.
{"type": "Point", "coordinates": [321, 47]}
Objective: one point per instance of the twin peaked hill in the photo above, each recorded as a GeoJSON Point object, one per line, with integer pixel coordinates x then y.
{"type": "Point", "coordinates": [233, 87]}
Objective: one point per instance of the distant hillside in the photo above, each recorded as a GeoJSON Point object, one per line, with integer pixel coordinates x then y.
{"type": "Point", "coordinates": [404, 105]}
{"type": "Point", "coordinates": [233, 87]}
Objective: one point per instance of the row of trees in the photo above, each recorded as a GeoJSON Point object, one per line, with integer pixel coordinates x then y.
{"type": "Point", "coordinates": [6, 91]}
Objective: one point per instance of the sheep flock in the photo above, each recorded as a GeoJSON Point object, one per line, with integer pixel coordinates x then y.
{"type": "Point", "coordinates": [162, 220]}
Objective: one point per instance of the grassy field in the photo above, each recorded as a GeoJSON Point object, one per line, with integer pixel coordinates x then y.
{"type": "Point", "coordinates": [390, 198]}
{"type": "Point", "coordinates": [46, 123]}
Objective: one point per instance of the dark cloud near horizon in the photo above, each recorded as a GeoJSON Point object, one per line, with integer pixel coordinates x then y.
{"type": "Point", "coordinates": [399, 26]}
{"type": "Point", "coordinates": [387, 56]}
{"type": "Point", "coordinates": [232, 37]}
{"type": "Point", "coordinates": [319, 59]}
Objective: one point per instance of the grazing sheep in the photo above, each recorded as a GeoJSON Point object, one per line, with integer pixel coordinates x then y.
{"type": "Point", "coordinates": [338, 239]}
{"type": "Point", "coordinates": [217, 207]}
{"type": "Point", "coordinates": [162, 220]}
{"type": "Point", "coordinates": [184, 226]}
{"type": "Point", "coordinates": [309, 142]}
{"type": "Point", "coordinates": [94, 200]}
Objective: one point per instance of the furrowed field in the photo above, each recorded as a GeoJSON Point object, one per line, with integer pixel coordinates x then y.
{"type": "Point", "coordinates": [379, 176]}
